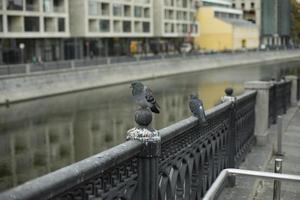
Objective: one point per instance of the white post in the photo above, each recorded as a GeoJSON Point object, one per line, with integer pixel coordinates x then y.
{"type": "Point", "coordinates": [261, 109]}
{"type": "Point", "coordinates": [294, 80]}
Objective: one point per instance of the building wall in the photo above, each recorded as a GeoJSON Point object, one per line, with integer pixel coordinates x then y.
{"type": "Point", "coordinates": [215, 34]}
{"type": "Point", "coordinates": [78, 22]}
{"type": "Point", "coordinates": [244, 37]}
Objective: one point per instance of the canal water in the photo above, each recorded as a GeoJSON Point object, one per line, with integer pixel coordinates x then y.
{"type": "Point", "coordinates": [40, 136]}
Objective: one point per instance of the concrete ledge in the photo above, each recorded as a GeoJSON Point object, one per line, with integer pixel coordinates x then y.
{"type": "Point", "coordinates": [20, 88]}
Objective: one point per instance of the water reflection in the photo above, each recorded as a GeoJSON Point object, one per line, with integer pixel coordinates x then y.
{"type": "Point", "coordinates": [41, 136]}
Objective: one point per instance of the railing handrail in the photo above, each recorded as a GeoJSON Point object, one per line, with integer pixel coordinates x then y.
{"type": "Point", "coordinates": [213, 190]}
{"type": "Point", "coordinates": [181, 126]}
{"type": "Point", "coordinates": [245, 95]}
{"type": "Point", "coordinates": [56, 182]}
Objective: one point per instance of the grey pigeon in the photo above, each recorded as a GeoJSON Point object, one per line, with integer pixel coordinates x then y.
{"type": "Point", "coordinates": [197, 108]}
{"type": "Point", "coordinates": [144, 96]}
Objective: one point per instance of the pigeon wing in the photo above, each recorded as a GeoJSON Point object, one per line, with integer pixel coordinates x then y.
{"type": "Point", "coordinates": [194, 107]}
{"type": "Point", "coordinates": [150, 99]}
{"type": "Point", "coordinates": [202, 111]}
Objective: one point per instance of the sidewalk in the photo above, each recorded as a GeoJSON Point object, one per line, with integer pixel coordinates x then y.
{"type": "Point", "coordinates": [291, 164]}
{"type": "Point", "coordinates": [261, 159]}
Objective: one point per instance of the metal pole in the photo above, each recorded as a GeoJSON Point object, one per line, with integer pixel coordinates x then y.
{"type": "Point", "coordinates": [277, 183]}
{"type": "Point", "coordinates": [279, 135]}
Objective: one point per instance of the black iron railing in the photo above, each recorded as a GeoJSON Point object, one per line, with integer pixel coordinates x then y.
{"type": "Point", "coordinates": [298, 89]}
{"type": "Point", "coordinates": [192, 155]}
{"type": "Point", "coordinates": [244, 125]}
{"type": "Point", "coordinates": [279, 99]}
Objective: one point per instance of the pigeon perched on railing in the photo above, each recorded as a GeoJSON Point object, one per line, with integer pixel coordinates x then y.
{"type": "Point", "coordinates": [197, 108]}
{"type": "Point", "coordinates": [144, 96]}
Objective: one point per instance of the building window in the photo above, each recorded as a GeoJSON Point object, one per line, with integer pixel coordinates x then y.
{"type": "Point", "coordinates": [117, 26]}
{"type": "Point", "coordinates": [59, 6]}
{"type": "Point", "coordinates": [104, 25]}
{"type": "Point", "coordinates": [126, 26]}
{"type": "Point", "coordinates": [1, 23]}
{"type": "Point", "coordinates": [169, 2]}
{"type": "Point", "coordinates": [147, 12]}
{"type": "Point", "coordinates": [92, 8]}
{"type": "Point", "coordinates": [138, 11]}
{"type": "Point", "coordinates": [127, 11]}
{"type": "Point", "coordinates": [105, 9]}
{"type": "Point", "coordinates": [243, 5]}
{"type": "Point", "coordinates": [61, 25]}
{"type": "Point", "coordinates": [49, 25]}
{"type": "Point", "coordinates": [146, 27]}
{"type": "Point", "coordinates": [252, 5]}
{"type": "Point", "coordinates": [233, 5]}
{"type": "Point", "coordinates": [47, 6]}
{"type": "Point", "coordinates": [32, 5]}
{"type": "Point", "coordinates": [14, 4]}
{"type": "Point", "coordinates": [117, 10]}
{"type": "Point", "coordinates": [31, 24]}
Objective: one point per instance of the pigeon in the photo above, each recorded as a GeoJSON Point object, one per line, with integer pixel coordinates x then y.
{"type": "Point", "coordinates": [144, 97]}
{"type": "Point", "coordinates": [197, 108]}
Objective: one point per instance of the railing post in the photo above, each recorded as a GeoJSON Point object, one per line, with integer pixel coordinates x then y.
{"type": "Point", "coordinates": [277, 184]}
{"type": "Point", "coordinates": [294, 80]}
{"type": "Point", "coordinates": [279, 135]}
{"type": "Point", "coordinates": [27, 68]}
{"type": "Point", "coordinates": [149, 156]}
{"type": "Point", "coordinates": [261, 109]}
{"type": "Point", "coordinates": [232, 136]}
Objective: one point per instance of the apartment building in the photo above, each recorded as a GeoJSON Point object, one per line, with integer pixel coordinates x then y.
{"type": "Point", "coordinates": [223, 27]}
{"type": "Point", "coordinates": [46, 30]}
{"type": "Point", "coordinates": [32, 30]}
{"type": "Point", "coordinates": [271, 16]}
{"type": "Point", "coordinates": [175, 22]}
{"type": "Point", "coordinates": [109, 27]}
{"type": "Point", "coordinates": [251, 9]}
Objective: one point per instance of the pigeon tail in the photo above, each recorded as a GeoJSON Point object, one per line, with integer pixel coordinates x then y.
{"type": "Point", "coordinates": [155, 109]}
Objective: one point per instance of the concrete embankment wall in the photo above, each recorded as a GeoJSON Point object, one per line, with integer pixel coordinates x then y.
{"type": "Point", "coordinates": [24, 87]}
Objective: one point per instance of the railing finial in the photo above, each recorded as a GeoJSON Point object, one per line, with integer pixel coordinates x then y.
{"type": "Point", "coordinates": [228, 95]}
{"type": "Point", "coordinates": [143, 133]}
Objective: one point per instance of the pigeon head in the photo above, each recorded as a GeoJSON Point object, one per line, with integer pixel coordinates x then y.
{"type": "Point", "coordinates": [193, 96]}
{"type": "Point", "coordinates": [137, 87]}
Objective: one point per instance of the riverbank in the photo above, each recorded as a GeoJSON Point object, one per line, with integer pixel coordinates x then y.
{"type": "Point", "coordinates": [41, 84]}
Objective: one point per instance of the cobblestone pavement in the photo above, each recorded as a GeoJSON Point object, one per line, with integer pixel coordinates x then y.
{"type": "Point", "coordinates": [261, 159]}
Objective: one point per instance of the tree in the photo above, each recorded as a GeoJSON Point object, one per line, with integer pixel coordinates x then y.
{"type": "Point", "coordinates": [295, 21]}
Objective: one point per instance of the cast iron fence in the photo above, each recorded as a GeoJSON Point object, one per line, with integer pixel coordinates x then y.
{"type": "Point", "coordinates": [192, 156]}
{"type": "Point", "coordinates": [279, 99]}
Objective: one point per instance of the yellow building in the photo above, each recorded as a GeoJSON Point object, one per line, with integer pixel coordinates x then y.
{"type": "Point", "coordinates": [223, 28]}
